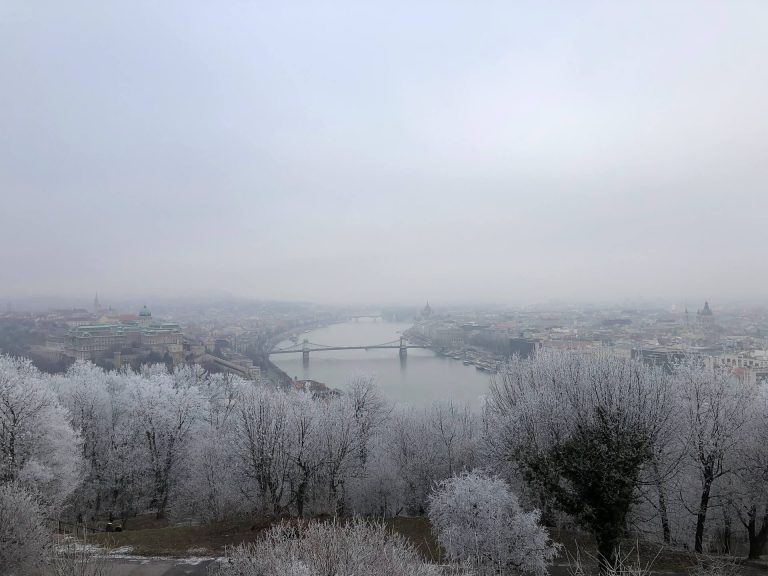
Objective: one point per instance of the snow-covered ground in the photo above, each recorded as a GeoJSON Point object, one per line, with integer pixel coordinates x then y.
{"type": "Point", "coordinates": [123, 562]}
{"type": "Point", "coordinates": [141, 566]}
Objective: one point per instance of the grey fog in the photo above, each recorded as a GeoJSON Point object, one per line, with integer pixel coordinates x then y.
{"type": "Point", "coordinates": [358, 152]}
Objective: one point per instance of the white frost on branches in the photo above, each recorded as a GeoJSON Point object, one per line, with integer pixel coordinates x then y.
{"type": "Point", "coordinates": [38, 447]}
{"type": "Point", "coordinates": [24, 539]}
{"type": "Point", "coordinates": [478, 521]}
{"type": "Point", "coordinates": [319, 549]}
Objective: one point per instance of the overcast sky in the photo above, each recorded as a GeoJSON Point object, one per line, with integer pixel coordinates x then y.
{"type": "Point", "coordinates": [384, 151]}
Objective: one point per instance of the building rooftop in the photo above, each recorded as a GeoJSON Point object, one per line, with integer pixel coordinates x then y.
{"type": "Point", "coordinates": [97, 327]}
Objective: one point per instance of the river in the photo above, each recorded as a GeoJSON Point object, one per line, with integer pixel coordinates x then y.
{"type": "Point", "coordinates": [422, 379]}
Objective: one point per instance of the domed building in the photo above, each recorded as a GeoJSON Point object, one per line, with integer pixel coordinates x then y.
{"type": "Point", "coordinates": [125, 338]}
{"type": "Point", "coordinates": [145, 317]}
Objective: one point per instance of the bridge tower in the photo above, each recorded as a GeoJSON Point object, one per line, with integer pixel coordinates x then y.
{"type": "Point", "coordinates": [305, 351]}
{"type": "Point", "coordinates": [403, 348]}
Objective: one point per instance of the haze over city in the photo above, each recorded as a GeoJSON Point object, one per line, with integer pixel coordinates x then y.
{"type": "Point", "coordinates": [344, 152]}
{"type": "Point", "coordinates": [438, 288]}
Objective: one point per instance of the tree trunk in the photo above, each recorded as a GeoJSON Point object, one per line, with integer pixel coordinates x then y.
{"type": "Point", "coordinates": [300, 499]}
{"type": "Point", "coordinates": [701, 517]}
{"type": "Point", "coordinates": [726, 531]}
{"type": "Point", "coordinates": [606, 552]}
{"type": "Point", "coordinates": [340, 505]}
{"type": "Point", "coordinates": [757, 540]}
{"type": "Point", "coordinates": [666, 531]}
{"type": "Point", "coordinates": [162, 502]}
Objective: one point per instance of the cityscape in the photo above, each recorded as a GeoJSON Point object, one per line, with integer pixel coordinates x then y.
{"type": "Point", "coordinates": [383, 288]}
{"type": "Point", "coordinates": [239, 337]}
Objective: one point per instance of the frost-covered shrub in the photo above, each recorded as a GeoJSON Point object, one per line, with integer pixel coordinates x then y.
{"type": "Point", "coordinates": [478, 521]}
{"type": "Point", "coordinates": [715, 566]}
{"type": "Point", "coordinates": [24, 538]}
{"type": "Point", "coordinates": [321, 548]}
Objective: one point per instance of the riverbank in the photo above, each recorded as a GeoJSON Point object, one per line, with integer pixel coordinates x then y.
{"type": "Point", "coordinates": [275, 374]}
{"type": "Point", "coordinates": [481, 359]}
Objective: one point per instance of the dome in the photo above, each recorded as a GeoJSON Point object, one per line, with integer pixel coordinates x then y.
{"type": "Point", "coordinates": [145, 312]}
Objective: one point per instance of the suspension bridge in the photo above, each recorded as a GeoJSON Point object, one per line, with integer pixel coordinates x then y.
{"type": "Point", "coordinates": [306, 347]}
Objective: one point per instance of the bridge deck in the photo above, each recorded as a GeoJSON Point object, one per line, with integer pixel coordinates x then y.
{"type": "Point", "coordinates": [374, 347]}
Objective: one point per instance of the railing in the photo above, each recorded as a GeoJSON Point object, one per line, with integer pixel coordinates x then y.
{"type": "Point", "coordinates": [320, 348]}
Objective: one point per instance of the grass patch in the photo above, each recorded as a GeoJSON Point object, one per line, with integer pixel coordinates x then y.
{"type": "Point", "coordinates": [212, 539]}
{"type": "Point", "coordinates": [419, 533]}
{"type": "Point", "coordinates": [178, 540]}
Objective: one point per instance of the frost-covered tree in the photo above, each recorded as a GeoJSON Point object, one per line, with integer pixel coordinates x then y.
{"type": "Point", "coordinates": [261, 447]}
{"type": "Point", "coordinates": [322, 548]}
{"type": "Point", "coordinates": [716, 408]}
{"type": "Point", "coordinates": [24, 539]}
{"type": "Point", "coordinates": [164, 413]}
{"type": "Point", "coordinates": [750, 497]}
{"type": "Point", "coordinates": [125, 479]}
{"type": "Point", "coordinates": [479, 522]}
{"type": "Point", "coordinates": [369, 412]}
{"type": "Point", "coordinates": [660, 481]}
{"type": "Point", "coordinates": [194, 375]}
{"type": "Point", "coordinates": [581, 429]}
{"type": "Point", "coordinates": [305, 448]}
{"type": "Point", "coordinates": [102, 409]}
{"type": "Point", "coordinates": [38, 447]}
{"type": "Point", "coordinates": [210, 488]}
{"type": "Point", "coordinates": [455, 433]}
{"type": "Point", "coordinates": [276, 451]}
{"type": "Point", "coordinates": [343, 448]}
{"type": "Point", "coordinates": [357, 471]}
{"type": "Point", "coordinates": [88, 392]}
{"type": "Point", "coordinates": [425, 446]}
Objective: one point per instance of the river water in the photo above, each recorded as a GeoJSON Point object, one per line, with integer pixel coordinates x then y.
{"type": "Point", "coordinates": [422, 379]}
